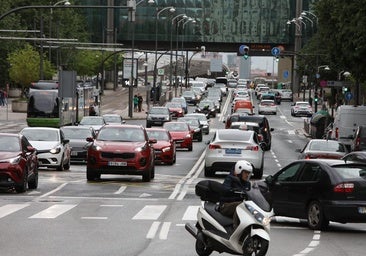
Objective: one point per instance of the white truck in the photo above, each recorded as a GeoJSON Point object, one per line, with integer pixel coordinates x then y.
{"type": "Point", "coordinates": [346, 121]}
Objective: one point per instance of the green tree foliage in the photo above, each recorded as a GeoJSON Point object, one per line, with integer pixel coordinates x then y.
{"type": "Point", "coordinates": [25, 66]}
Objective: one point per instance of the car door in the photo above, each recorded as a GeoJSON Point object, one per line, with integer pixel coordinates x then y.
{"type": "Point", "coordinates": [305, 187]}
{"type": "Point", "coordinates": [279, 189]}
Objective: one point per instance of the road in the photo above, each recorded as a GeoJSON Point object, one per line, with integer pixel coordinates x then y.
{"type": "Point", "coordinates": [121, 215]}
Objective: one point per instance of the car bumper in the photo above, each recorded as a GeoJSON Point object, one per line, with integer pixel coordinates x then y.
{"type": "Point", "coordinates": [49, 160]}
{"type": "Point", "coordinates": [164, 157]}
{"type": "Point", "coordinates": [345, 211]}
{"type": "Point", "coordinates": [183, 143]}
{"type": "Point", "coordinates": [10, 175]}
{"type": "Point", "coordinates": [219, 161]}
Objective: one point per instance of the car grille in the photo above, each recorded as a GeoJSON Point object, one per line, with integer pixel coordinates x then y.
{"type": "Point", "coordinates": [126, 155]}
{"type": "Point", "coordinates": [157, 118]}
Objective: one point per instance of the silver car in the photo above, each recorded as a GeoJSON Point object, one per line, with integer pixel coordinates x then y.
{"type": "Point", "coordinates": [230, 145]}
{"type": "Point", "coordinates": [52, 147]}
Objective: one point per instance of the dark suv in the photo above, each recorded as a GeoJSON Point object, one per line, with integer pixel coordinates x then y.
{"type": "Point", "coordinates": [262, 121]}
{"type": "Point", "coordinates": [158, 116]}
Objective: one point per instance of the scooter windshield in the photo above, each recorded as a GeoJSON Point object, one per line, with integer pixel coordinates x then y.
{"type": "Point", "coordinates": [257, 197]}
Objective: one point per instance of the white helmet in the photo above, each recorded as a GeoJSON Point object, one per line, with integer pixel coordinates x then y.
{"type": "Point", "coordinates": [242, 165]}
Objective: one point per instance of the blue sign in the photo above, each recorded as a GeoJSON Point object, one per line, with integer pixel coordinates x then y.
{"type": "Point", "coordinates": [275, 51]}
{"type": "Point", "coordinates": [348, 95]}
{"type": "Point", "coordinates": [285, 74]}
{"type": "Point", "coordinates": [242, 47]}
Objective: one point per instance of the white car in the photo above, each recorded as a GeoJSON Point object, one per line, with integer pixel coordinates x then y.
{"type": "Point", "coordinates": [230, 145]}
{"type": "Point", "coordinates": [301, 108]}
{"type": "Point", "coordinates": [95, 122]}
{"type": "Point", "coordinates": [52, 147]}
{"type": "Point", "coordinates": [267, 106]}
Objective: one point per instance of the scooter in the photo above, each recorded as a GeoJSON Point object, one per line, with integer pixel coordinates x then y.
{"type": "Point", "coordinates": [215, 232]}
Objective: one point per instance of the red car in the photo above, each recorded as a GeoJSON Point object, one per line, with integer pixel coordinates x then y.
{"type": "Point", "coordinates": [164, 147]}
{"type": "Point", "coordinates": [181, 133]}
{"type": "Point", "coordinates": [175, 109]}
{"type": "Point", "coordinates": [18, 163]}
{"type": "Point", "coordinates": [121, 149]}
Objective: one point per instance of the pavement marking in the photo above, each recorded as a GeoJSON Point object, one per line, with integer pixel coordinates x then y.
{"type": "Point", "coordinates": [53, 211]}
{"type": "Point", "coordinates": [94, 218]}
{"type": "Point", "coordinates": [120, 190]}
{"type": "Point", "coordinates": [153, 229]}
{"type": "Point", "coordinates": [11, 208]}
{"type": "Point", "coordinates": [150, 212]}
{"type": "Point", "coordinates": [164, 231]}
{"type": "Point", "coordinates": [191, 213]}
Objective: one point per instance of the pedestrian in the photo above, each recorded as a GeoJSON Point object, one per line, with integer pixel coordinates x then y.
{"type": "Point", "coordinates": [135, 103]}
{"type": "Point", "coordinates": [140, 99]}
{"type": "Point", "coordinates": [2, 97]}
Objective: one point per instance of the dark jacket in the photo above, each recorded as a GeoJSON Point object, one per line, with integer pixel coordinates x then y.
{"type": "Point", "coordinates": [233, 183]}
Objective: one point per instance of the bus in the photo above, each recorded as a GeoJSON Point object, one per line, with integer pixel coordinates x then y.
{"type": "Point", "coordinates": [47, 109]}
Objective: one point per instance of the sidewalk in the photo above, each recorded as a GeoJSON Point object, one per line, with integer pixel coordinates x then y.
{"type": "Point", "coordinates": [113, 101]}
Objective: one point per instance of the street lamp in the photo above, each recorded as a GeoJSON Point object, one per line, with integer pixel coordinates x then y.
{"type": "Point", "coordinates": [171, 10]}
{"type": "Point", "coordinates": [304, 13]}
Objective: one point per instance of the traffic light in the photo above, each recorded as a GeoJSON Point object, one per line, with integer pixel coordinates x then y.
{"type": "Point", "coordinates": [246, 52]}
{"type": "Point", "coordinates": [316, 98]}
{"type": "Point", "coordinates": [277, 59]}
{"type": "Point", "coordinates": [345, 89]}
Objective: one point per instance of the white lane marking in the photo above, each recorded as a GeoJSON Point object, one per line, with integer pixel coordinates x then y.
{"type": "Point", "coordinates": [190, 213]}
{"type": "Point", "coordinates": [53, 211]}
{"type": "Point", "coordinates": [291, 132]}
{"type": "Point", "coordinates": [11, 208]}
{"type": "Point", "coordinates": [120, 190]}
{"type": "Point", "coordinates": [111, 205]}
{"type": "Point", "coordinates": [94, 218]}
{"type": "Point", "coordinates": [189, 182]}
{"type": "Point", "coordinates": [150, 212]}
{"type": "Point", "coordinates": [164, 230]}
{"type": "Point", "coordinates": [55, 190]}
{"type": "Point", "coordinates": [153, 229]}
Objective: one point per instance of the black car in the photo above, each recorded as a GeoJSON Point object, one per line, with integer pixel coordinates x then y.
{"type": "Point", "coordinates": [190, 97]}
{"type": "Point", "coordinates": [194, 124]}
{"type": "Point", "coordinates": [355, 156]}
{"type": "Point", "coordinates": [264, 128]}
{"type": "Point", "coordinates": [158, 116]}
{"type": "Point", "coordinates": [207, 107]}
{"type": "Point", "coordinates": [320, 191]}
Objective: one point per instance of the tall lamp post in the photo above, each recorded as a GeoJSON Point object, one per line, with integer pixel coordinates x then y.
{"type": "Point", "coordinates": [171, 49]}
{"type": "Point", "coordinates": [171, 10]}
{"type": "Point", "coordinates": [325, 67]}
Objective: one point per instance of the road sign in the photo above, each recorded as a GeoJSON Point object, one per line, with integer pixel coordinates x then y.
{"type": "Point", "coordinates": [160, 71]}
{"type": "Point", "coordinates": [323, 83]}
{"type": "Point", "coordinates": [348, 95]}
{"type": "Point", "coordinates": [285, 74]}
{"type": "Point", "coordinates": [275, 51]}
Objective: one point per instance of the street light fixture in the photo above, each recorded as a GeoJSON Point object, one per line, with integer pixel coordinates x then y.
{"type": "Point", "coordinates": [325, 67]}
{"type": "Point", "coordinates": [171, 10]}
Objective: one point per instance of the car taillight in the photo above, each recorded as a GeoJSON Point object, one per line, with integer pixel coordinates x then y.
{"type": "Point", "coordinates": [336, 133]}
{"type": "Point", "coordinates": [358, 142]}
{"type": "Point", "coordinates": [252, 148]}
{"type": "Point", "coordinates": [344, 188]}
{"type": "Point", "coordinates": [213, 146]}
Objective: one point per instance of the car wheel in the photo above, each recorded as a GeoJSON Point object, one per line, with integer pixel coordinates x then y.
{"type": "Point", "coordinates": [91, 174]}
{"type": "Point", "coordinates": [315, 216]}
{"type": "Point", "coordinates": [209, 172]}
{"type": "Point", "coordinates": [153, 171]}
{"type": "Point", "coordinates": [33, 182]}
{"type": "Point", "coordinates": [190, 148]}
{"type": "Point", "coordinates": [200, 137]}
{"type": "Point", "coordinates": [61, 168]}
{"type": "Point", "coordinates": [67, 165]}
{"type": "Point", "coordinates": [146, 175]}
{"type": "Point", "coordinates": [22, 187]}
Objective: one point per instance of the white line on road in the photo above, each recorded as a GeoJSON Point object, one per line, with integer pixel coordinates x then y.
{"type": "Point", "coordinates": [120, 190]}
{"type": "Point", "coordinates": [10, 208]}
{"type": "Point", "coordinates": [153, 229]}
{"type": "Point", "coordinates": [53, 211]}
{"type": "Point", "coordinates": [150, 212]}
{"type": "Point", "coordinates": [164, 231]}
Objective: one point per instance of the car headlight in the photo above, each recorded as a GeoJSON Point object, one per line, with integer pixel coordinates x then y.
{"type": "Point", "coordinates": [140, 149]}
{"type": "Point", "coordinates": [167, 118]}
{"type": "Point", "coordinates": [14, 160]}
{"type": "Point", "coordinates": [167, 149]}
{"type": "Point", "coordinates": [56, 150]}
{"type": "Point", "coordinates": [96, 147]}
{"type": "Point", "coordinates": [188, 136]}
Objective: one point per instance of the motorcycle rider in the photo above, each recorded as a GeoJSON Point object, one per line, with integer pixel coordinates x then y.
{"type": "Point", "coordinates": [237, 180]}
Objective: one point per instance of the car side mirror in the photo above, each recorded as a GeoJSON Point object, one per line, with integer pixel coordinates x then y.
{"type": "Point", "coordinates": [65, 141]}
{"type": "Point", "coordinates": [269, 180]}
{"type": "Point", "coordinates": [298, 150]}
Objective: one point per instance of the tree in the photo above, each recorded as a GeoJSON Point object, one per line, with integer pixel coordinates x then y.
{"type": "Point", "coordinates": [25, 66]}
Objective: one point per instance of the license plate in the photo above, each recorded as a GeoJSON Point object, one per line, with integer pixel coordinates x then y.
{"type": "Point", "coordinates": [158, 122]}
{"type": "Point", "coordinates": [117, 163]}
{"type": "Point", "coordinates": [74, 153]}
{"type": "Point", "coordinates": [178, 144]}
{"type": "Point", "coordinates": [362, 210]}
{"type": "Point", "coordinates": [232, 151]}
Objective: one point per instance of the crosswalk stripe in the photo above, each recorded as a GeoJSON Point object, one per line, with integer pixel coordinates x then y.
{"type": "Point", "coordinates": [150, 212]}
{"type": "Point", "coordinates": [190, 213]}
{"type": "Point", "coordinates": [11, 208]}
{"type": "Point", "coordinates": [153, 229]}
{"type": "Point", "coordinates": [53, 212]}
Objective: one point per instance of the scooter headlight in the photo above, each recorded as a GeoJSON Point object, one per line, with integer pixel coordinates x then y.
{"type": "Point", "coordinates": [258, 216]}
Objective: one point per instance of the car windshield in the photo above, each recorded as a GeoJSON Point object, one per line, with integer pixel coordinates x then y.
{"type": "Point", "coordinates": [203, 104]}
{"type": "Point", "coordinates": [76, 133]}
{"type": "Point", "coordinates": [191, 121]}
{"type": "Point", "coordinates": [92, 121]}
{"type": "Point", "coordinates": [234, 136]}
{"type": "Point", "coordinates": [161, 111]}
{"type": "Point", "coordinates": [174, 126]}
{"type": "Point", "coordinates": [351, 172]}
{"type": "Point", "coordinates": [199, 117]}
{"type": "Point", "coordinates": [41, 135]}
{"type": "Point", "coordinates": [302, 104]}
{"type": "Point", "coordinates": [121, 134]}
{"type": "Point", "coordinates": [328, 145]}
{"type": "Point", "coordinates": [173, 105]}
{"type": "Point", "coordinates": [158, 135]}
{"type": "Point", "coordinates": [112, 119]}
{"type": "Point", "coordinates": [9, 144]}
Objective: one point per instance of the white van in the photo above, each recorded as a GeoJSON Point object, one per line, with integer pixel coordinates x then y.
{"type": "Point", "coordinates": [346, 121]}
